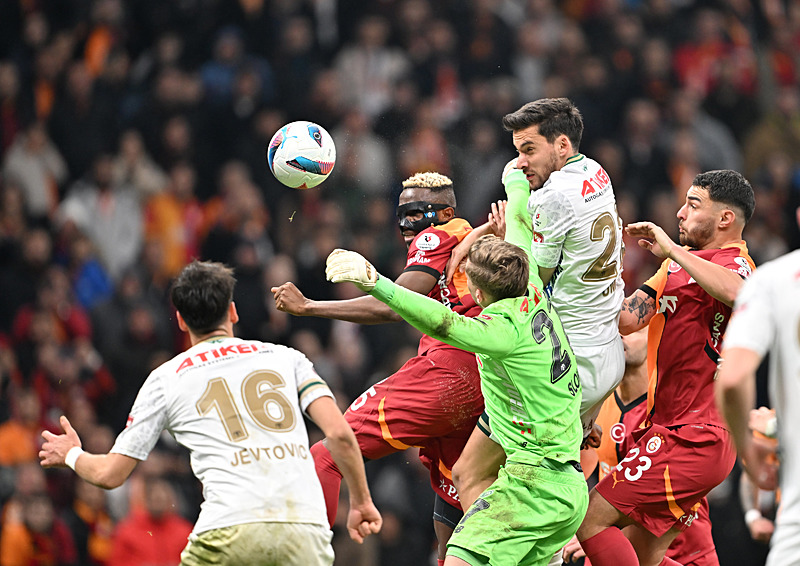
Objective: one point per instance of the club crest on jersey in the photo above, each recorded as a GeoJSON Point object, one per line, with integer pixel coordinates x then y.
{"type": "Point", "coordinates": [428, 242]}
{"type": "Point", "coordinates": [539, 220]}
{"type": "Point", "coordinates": [674, 267]}
{"type": "Point", "coordinates": [744, 268]}
{"type": "Point", "coordinates": [617, 432]}
{"type": "Point", "coordinates": [654, 444]}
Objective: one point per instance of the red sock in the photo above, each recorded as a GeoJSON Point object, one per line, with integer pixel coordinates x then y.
{"type": "Point", "coordinates": [669, 562]}
{"type": "Point", "coordinates": [329, 477]}
{"type": "Point", "coordinates": [610, 548]}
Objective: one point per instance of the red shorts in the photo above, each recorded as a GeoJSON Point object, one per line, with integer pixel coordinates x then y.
{"type": "Point", "coordinates": [663, 477]}
{"type": "Point", "coordinates": [695, 546]}
{"type": "Point", "coordinates": [433, 403]}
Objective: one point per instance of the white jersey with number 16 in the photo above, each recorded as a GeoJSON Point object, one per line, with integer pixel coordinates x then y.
{"type": "Point", "coordinates": [236, 406]}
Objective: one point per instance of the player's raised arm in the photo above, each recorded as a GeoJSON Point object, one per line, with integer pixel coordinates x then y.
{"type": "Point", "coordinates": [491, 336]}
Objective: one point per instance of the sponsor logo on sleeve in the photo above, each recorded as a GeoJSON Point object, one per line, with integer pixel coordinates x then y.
{"type": "Point", "coordinates": [538, 237]}
{"type": "Point", "coordinates": [418, 257]}
{"type": "Point", "coordinates": [428, 242]}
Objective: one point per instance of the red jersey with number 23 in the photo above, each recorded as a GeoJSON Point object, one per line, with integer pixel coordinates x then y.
{"type": "Point", "coordinates": [429, 252]}
{"type": "Point", "coordinates": [684, 340]}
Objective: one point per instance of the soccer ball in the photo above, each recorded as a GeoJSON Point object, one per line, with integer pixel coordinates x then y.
{"type": "Point", "coordinates": [301, 155]}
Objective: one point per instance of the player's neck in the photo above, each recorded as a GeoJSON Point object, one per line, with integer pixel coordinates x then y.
{"type": "Point", "coordinates": [215, 334]}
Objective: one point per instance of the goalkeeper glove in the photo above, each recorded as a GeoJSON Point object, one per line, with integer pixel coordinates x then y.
{"type": "Point", "coordinates": [514, 178]}
{"type": "Point", "coordinates": [344, 265]}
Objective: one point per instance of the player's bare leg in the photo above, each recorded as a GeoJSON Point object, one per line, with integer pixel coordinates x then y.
{"type": "Point", "coordinates": [453, 561]}
{"type": "Point", "coordinates": [443, 533]}
{"type": "Point", "coordinates": [649, 548]}
{"type": "Point", "coordinates": [607, 545]}
{"type": "Point", "coordinates": [477, 467]}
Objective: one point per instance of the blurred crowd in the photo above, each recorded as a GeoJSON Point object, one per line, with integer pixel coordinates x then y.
{"type": "Point", "coordinates": [133, 137]}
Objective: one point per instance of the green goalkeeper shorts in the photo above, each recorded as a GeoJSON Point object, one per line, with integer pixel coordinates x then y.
{"type": "Point", "coordinates": [525, 517]}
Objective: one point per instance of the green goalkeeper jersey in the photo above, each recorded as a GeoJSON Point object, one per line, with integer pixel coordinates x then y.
{"type": "Point", "coordinates": [529, 377]}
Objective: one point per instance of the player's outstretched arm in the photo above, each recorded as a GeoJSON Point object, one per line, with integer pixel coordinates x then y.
{"type": "Point", "coordinates": [717, 280]}
{"type": "Point", "coordinates": [363, 518]}
{"type": "Point", "coordinates": [494, 336]}
{"type": "Point", "coordinates": [104, 470]}
{"type": "Point", "coordinates": [361, 310]}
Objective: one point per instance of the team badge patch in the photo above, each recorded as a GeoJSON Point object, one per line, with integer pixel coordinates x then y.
{"type": "Point", "coordinates": [674, 267]}
{"type": "Point", "coordinates": [428, 242]}
{"type": "Point", "coordinates": [539, 220]}
{"type": "Point", "coordinates": [654, 444]}
{"type": "Point", "coordinates": [744, 267]}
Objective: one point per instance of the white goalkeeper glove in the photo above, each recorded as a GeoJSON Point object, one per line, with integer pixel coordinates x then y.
{"type": "Point", "coordinates": [344, 265]}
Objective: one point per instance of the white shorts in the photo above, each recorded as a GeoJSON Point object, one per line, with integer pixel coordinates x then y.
{"type": "Point", "coordinates": [261, 544]}
{"type": "Point", "coordinates": [600, 369]}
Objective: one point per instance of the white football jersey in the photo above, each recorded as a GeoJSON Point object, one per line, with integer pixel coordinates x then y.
{"type": "Point", "coordinates": [236, 405]}
{"type": "Point", "coordinates": [577, 231]}
{"type": "Point", "coordinates": [766, 318]}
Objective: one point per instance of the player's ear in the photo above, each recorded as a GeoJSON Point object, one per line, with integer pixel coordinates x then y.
{"type": "Point", "coordinates": [563, 146]}
{"type": "Point", "coordinates": [233, 315]}
{"type": "Point", "coordinates": [447, 214]}
{"type": "Point", "coordinates": [727, 218]}
{"type": "Point", "coordinates": [181, 322]}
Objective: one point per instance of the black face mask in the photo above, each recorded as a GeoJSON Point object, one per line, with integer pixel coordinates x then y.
{"type": "Point", "coordinates": [428, 211]}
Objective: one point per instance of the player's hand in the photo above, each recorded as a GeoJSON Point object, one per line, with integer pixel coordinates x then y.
{"type": "Point", "coordinates": [572, 551]}
{"type": "Point", "coordinates": [363, 520]}
{"type": "Point", "coordinates": [56, 446]}
{"type": "Point", "coordinates": [763, 420]}
{"type": "Point", "coordinates": [344, 265]}
{"type": "Point", "coordinates": [497, 218]}
{"type": "Point", "coordinates": [652, 238]}
{"type": "Point", "coordinates": [288, 298]}
{"type": "Point", "coordinates": [761, 530]}
{"type": "Point", "coordinates": [594, 437]}
{"type": "Point", "coordinates": [761, 462]}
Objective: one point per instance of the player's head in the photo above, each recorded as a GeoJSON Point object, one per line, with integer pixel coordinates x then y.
{"type": "Point", "coordinates": [496, 270]}
{"type": "Point", "coordinates": [546, 132]}
{"type": "Point", "coordinates": [202, 293]}
{"type": "Point", "coordinates": [718, 202]}
{"type": "Point", "coordinates": [427, 199]}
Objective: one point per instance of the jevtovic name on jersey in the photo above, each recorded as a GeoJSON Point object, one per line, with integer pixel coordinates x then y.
{"type": "Point", "coordinates": [578, 233]}
{"type": "Point", "coordinates": [236, 406]}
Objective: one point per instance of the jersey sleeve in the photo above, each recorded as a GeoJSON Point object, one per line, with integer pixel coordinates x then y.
{"type": "Point", "coordinates": [752, 323]}
{"type": "Point", "coordinates": [552, 217]}
{"type": "Point", "coordinates": [483, 334]}
{"type": "Point", "coordinates": [519, 230]}
{"type": "Point", "coordinates": [310, 386]}
{"type": "Point", "coordinates": [146, 421]}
